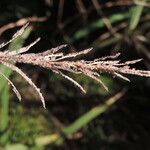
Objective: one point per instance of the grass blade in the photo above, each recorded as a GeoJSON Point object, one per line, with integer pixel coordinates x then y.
{"type": "Point", "coordinates": [79, 123]}
{"type": "Point", "coordinates": [136, 13]}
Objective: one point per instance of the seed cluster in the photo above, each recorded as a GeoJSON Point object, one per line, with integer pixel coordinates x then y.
{"type": "Point", "coordinates": [59, 63]}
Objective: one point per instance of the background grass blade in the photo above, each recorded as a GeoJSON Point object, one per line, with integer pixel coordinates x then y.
{"type": "Point", "coordinates": [79, 123]}
{"type": "Point", "coordinates": [98, 24]}
{"type": "Point", "coordinates": [136, 13]}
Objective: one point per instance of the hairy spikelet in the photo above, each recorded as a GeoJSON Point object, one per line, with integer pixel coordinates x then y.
{"type": "Point", "coordinates": [56, 61]}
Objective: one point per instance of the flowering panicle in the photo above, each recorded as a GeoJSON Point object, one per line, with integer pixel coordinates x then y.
{"type": "Point", "coordinates": [59, 63]}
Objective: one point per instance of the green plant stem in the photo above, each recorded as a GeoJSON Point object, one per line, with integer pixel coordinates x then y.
{"type": "Point", "coordinates": [5, 108]}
